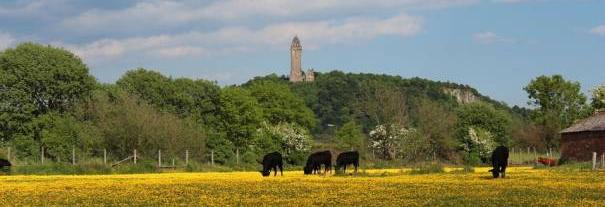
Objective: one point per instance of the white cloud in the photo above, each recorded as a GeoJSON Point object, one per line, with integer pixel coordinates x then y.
{"type": "Point", "coordinates": [241, 39]}
{"type": "Point", "coordinates": [178, 51]}
{"type": "Point", "coordinates": [160, 14]}
{"type": "Point", "coordinates": [490, 37]}
{"type": "Point", "coordinates": [6, 40]}
{"type": "Point", "coordinates": [599, 30]}
{"type": "Point", "coordinates": [30, 8]}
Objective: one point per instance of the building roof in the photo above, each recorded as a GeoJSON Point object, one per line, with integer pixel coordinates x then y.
{"type": "Point", "coordinates": [590, 124]}
{"type": "Point", "coordinates": [295, 42]}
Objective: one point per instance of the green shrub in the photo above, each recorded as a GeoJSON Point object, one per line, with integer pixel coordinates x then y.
{"type": "Point", "coordinates": [472, 159]}
{"type": "Point", "coordinates": [142, 166]}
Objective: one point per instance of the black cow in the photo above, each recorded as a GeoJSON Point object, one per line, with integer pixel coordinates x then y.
{"type": "Point", "coordinates": [315, 161]}
{"type": "Point", "coordinates": [4, 165]}
{"type": "Point", "coordinates": [347, 158]}
{"type": "Point", "coordinates": [272, 161]}
{"type": "Point", "coordinates": [499, 161]}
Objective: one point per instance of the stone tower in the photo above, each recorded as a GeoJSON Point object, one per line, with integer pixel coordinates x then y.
{"type": "Point", "coordinates": [296, 74]}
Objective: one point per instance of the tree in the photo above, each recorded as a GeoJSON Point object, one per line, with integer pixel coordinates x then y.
{"type": "Point", "coordinates": [350, 136]}
{"type": "Point", "coordinates": [437, 123]}
{"type": "Point", "coordinates": [483, 116]}
{"type": "Point", "coordinates": [280, 104]}
{"type": "Point", "coordinates": [181, 96]}
{"type": "Point", "coordinates": [527, 133]}
{"type": "Point", "coordinates": [35, 80]}
{"type": "Point", "coordinates": [386, 140]}
{"type": "Point", "coordinates": [598, 97]}
{"type": "Point", "coordinates": [63, 133]}
{"type": "Point", "coordinates": [560, 103]}
{"type": "Point", "coordinates": [150, 86]}
{"type": "Point", "coordinates": [240, 115]}
{"type": "Point", "coordinates": [383, 104]}
{"type": "Point", "coordinates": [198, 99]}
{"type": "Point", "coordinates": [222, 148]}
{"type": "Point", "coordinates": [478, 142]}
{"type": "Point", "coordinates": [125, 123]}
{"type": "Point", "coordinates": [334, 98]}
{"type": "Point", "coordinates": [292, 140]}
{"type": "Point", "coordinates": [415, 147]}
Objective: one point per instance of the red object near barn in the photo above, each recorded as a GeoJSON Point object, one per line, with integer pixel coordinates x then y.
{"type": "Point", "coordinates": [547, 161]}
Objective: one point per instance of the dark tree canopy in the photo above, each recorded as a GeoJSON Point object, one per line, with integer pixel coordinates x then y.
{"type": "Point", "coordinates": [37, 79]}
{"type": "Point", "coordinates": [240, 115]}
{"type": "Point", "coordinates": [486, 117]}
{"type": "Point", "coordinates": [182, 96]}
{"type": "Point", "coordinates": [280, 104]}
{"type": "Point", "coordinates": [560, 103]}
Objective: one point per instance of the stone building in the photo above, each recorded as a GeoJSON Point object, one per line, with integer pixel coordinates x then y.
{"type": "Point", "coordinates": [296, 72]}
{"type": "Point", "coordinates": [579, 141]}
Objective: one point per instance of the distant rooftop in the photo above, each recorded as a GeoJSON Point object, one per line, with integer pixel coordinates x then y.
{"type": "Point", "coordinates": [593, 123]}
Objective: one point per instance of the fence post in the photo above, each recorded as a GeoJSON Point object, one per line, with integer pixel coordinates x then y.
{"type": "Point", "coordinates": [373, 155]}
{"type": "Point", "coordinates": [105, 156]}
{"type": "Point", "coordinates": [603, 160]}
{"type": "Point", "coordinates": [535, 156]}
{"type": "Point", "coordinates": [513, 157]}
{"type": "Point", "coordinates": [73, 155]}
{"type": "Point", "coordinates": [172, 162]}
{"type": "Point", "coordinates": [186, 157]}
{"type": "Point", "coordinates": [528, 153]}
{"type": "Point", "coordinates": [237, 156]}
{"type": "Point", "coordinates": [42, 156]}
{"type": "Point", "coordinates": [212, 157]}
{"type": "Point", "coordinates": [135, 156]}
{"type": "Point", "coordinates": [594, 160]}
{"type": "Point", "coordinates": [159, 158]}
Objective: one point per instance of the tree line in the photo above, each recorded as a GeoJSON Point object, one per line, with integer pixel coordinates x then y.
{"type": "Point", "coordinates": [48, 99]}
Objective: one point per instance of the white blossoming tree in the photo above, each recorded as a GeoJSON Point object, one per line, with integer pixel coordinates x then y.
{"type": "Point", "coordinates": [391, 141]}
{"type": "Point", "coordinates": [288, 138]}
{"type": "Point", "coordinates": [480, 142]}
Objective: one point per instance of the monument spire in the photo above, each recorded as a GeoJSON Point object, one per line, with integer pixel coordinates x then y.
{"type": "Point", "coordinates": [296, 74]}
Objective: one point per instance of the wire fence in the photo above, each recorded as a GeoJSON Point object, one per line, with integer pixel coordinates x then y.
{"type": "Point", "coordinates": [162, 159]}
{"type": "Point", "coordinates": [517, 157]}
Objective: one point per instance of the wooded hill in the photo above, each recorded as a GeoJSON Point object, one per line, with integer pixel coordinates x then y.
{"type": "Point", "coordinates": [340, 99]}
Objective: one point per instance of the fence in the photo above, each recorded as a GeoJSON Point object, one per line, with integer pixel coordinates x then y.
{"type": "Point", "coordinates": [165, 160]}
{"type": "Point", "coordinates": [517, 157]}
{"type": "Point", "coordinates": [529, 155]}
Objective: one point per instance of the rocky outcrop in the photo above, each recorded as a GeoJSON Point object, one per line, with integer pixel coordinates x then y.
{"type": "Point", "coordinates": [462, 96]}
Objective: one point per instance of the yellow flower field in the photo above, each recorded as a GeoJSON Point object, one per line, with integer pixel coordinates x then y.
{"type": "Point", "coordinates": [522, 187]}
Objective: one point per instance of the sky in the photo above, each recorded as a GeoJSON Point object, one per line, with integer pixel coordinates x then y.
{"type": "Point", "coordinates": [496, 46]}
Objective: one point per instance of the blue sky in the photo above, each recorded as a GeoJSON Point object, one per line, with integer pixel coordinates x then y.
{"type": "Point", "coordinates": [496, 46]}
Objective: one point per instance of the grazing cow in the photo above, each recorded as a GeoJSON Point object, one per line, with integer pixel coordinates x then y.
{"type": "Point", "coordinates": [4, 165]}
{"type": "Point", "coordinates": [347, 158]}
{"type": "Point", "coordinates": [315, 161]}
{"type": "Point", "coordinates": [499, 161]}
{"type": "Point", "coordinates": [272, 161]}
